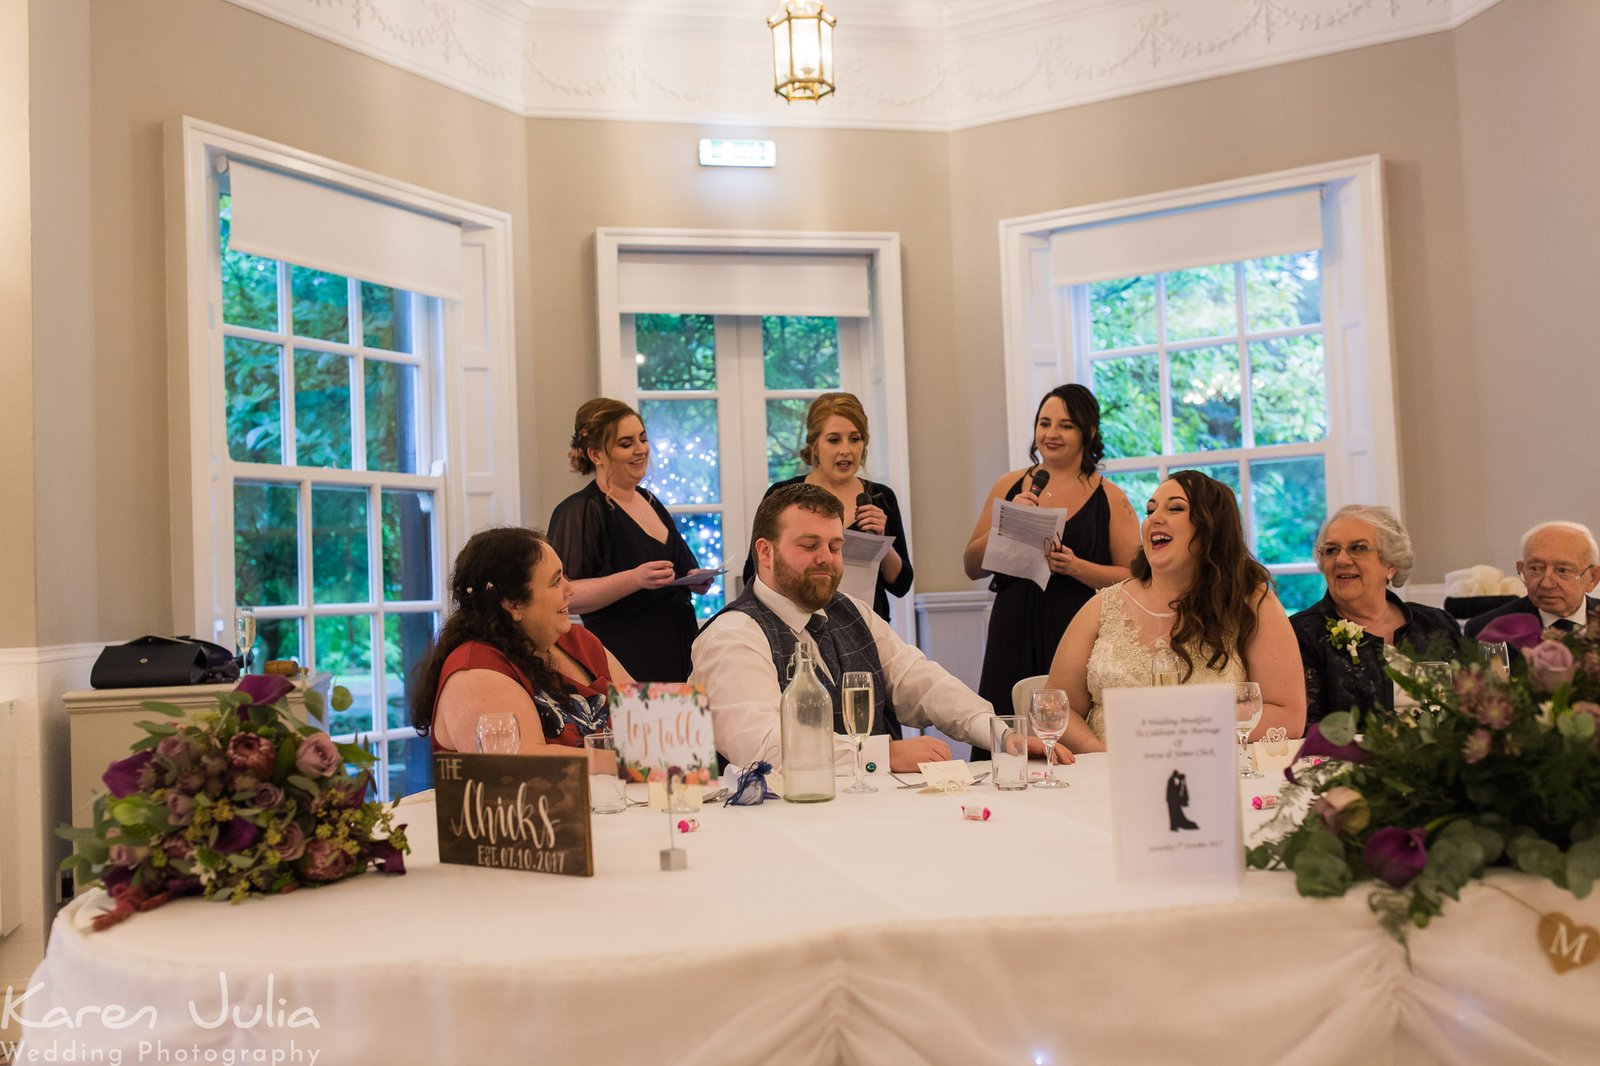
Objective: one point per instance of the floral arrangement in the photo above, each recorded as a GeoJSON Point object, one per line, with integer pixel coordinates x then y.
{"type": "Point", "coordinates": [232, 803]}
{"type": "Point", "coordinates": [1495, 768]}
{"type": "Point", "coordinates": [1346, 636]}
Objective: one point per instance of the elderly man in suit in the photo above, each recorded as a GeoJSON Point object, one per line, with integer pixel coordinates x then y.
{"type": "Point", "coordinates": [1560, 564]}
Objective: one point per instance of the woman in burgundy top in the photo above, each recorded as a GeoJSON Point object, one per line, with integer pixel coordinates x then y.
{"type": "Point", "coordinates": [509, 647]}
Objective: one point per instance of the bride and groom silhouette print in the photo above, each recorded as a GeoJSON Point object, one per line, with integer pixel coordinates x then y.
{"type": "Point", "coordinates": [1177, 800]}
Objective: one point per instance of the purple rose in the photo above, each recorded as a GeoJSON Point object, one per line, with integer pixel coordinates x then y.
{"type": "Point", "coordinates": [250, 753]}
{"type": "Point", "coordinates": [1477, 746]}
{"type": "Point", "coordinates": [293, 844]}
{"type": "Point", "coordinates": [1395, 856]}
{"type": "Point", "coordinates": [175, 748]}
{"type": "Point", "coordinates": [264, 689]}
{"type": "Point", "coordinates": [123, 776]}
{"type": "Point", "coordinates": [325, 860]}
{"type": "Point", "coordinates": [317, 756]}
{"type": "Point", "coordinates": [235, 835]}
{"type": "Point", "coordinates": [1516, 630]}
{"type": "Point", "coordinates": [1550, 664]}
{"type": "Point", "coordinates": [191, 780]}
{"type": "Point", "coordinates": [180, 808]}
{"type": "Point", "coordinates": [128, 855]}
{"type": "Point", "coordinates": [268, 796]}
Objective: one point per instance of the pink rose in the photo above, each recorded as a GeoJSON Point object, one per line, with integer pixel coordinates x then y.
{"type": "Point", "coordinates": [317, 756]}
{"type": "Point", "coordinates": [1550, 664]}
{"type": "Point", "coordinates": [180, 808]}
{"type": "Point", "coordinates": [175, 748]}
{"type": "Point", "coordinates": [325, 860]}
{"type": "Point", "coordinates": [1343, 809]}
{"type": "Point", "coordinates": [268, 796]}
{"type": "Point", "coordinates": [293, 844]}
{"type": "Point", "coordinates": [128, 855]}
{"type": "Point", "coordinates": [253, 754]}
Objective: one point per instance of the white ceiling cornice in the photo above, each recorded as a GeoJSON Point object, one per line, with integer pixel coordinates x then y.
{"type": "Point", "coordinates": [902, 64]}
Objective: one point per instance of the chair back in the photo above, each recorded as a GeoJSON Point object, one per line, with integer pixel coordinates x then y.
{"type": "Point", "coordinates": [1023, 689]}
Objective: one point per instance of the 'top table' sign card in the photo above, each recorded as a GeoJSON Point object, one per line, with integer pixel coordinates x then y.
{"type": "Point", "coordinates": [515, 812]}
{"type": "Point", "coordinates": [660, 725]}
{"type": "Point", "coordinates": [1174, 782]}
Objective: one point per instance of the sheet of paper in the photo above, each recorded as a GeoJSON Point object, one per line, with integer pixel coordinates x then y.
{"type": "Point", "coordinates": [1016, 540]}
{"type": "Point", "coordinates": [1175, 785]}
{"type": "Point", "coordinates": [863, 554]}
{"type": "Point", "coordinates": [694, 577]}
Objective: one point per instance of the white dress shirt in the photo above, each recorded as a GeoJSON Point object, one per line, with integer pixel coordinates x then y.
{"type": "Point", "coordinates": [1579, 618]}
{"type": "Point", "coordinates": [733, 663]}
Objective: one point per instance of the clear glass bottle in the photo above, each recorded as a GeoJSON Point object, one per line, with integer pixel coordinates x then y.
{"type": "Point", "coordinates": [1165, 669]}
{"type": "Point", "coordinates": [807, 738]}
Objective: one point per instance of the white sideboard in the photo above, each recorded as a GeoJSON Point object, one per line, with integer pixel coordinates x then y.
{"type": "Point", "coordinates": [102, 725]}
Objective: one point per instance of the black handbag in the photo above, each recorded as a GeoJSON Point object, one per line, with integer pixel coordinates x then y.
{"type": "Point", "coordinates": [154, 662]}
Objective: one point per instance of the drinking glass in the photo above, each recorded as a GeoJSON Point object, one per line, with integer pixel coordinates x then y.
{"type": "Point", "coordinates": [244, 635]}
{"type": "Point", "coordinates": [1439, 677]}
{"type": "Point", "coordinates": [1048, 712]}
{"type": "Point", "coordinates": [1008, 736]}
{"type": "Point", "coordinates": [1498, 653]}
{"type": "Point", "coordinates": [855, 696]}
{"type": "Point", "coordinates": [498, 734]}
{"type": "Point", "coordinates": [1246, 715]}
{"type": "Point", "coordinates": [607, 792]}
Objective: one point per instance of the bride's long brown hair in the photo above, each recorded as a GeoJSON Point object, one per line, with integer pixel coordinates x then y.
{"type": "Point", "coordinates": [1218, 613]}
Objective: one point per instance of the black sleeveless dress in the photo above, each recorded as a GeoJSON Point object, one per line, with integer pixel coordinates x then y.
{"type": "Point", "coordinates": [1026, 622]}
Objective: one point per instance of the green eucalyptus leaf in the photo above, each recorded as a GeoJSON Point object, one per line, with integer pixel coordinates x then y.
{"type": "Point", "coordinates": [1537, 857]}
{"type": "Point", "coordinates": [1338, 727]}
{"type": "Point", "coordinates": [315, 704]}
{"type": "Point", "coordinates": [342, 700]}
{"type": "Point", "coordinates": [1583, 867]}
{"type": "Point", "coordinates": [1318, 874]}
{"type": "Point", "coordinates": [305, 784]}
{"type": "Point", "coordinates": [171, 710]}
{"type": "Point", "coordinates": [159, 729]}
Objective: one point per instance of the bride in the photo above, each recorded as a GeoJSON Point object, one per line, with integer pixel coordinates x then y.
{"type": "Point", "coordinates": [1196, 586]}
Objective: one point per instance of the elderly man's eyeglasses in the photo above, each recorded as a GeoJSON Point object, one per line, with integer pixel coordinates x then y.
{"type": "Point", "coordinates": [1561, 572]}
{"type": "Point", "coordinates": [1358, 551]}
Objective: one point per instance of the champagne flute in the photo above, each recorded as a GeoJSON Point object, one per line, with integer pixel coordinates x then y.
{"type": "Point", "coordinates": [1498, 654]}
{"type": "Point", "coordinates": [1246, 715]}
{"type": "Point", "coordinates": [498, 734]}
{"type": "Point", "coordinates": [244, 634]}
{"type": "Point", "coordinates": [856, 699]}
{"type": "Point", "coordinates": [1049, 712]}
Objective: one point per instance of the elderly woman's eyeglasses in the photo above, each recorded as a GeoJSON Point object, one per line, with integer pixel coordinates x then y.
{"type": "Point", "coordinates": [1561, 572]}
{"type": "Point", "coordinates": [1358, 551]}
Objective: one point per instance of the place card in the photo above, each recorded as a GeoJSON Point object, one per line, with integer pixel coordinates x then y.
{"type": "Point", "coordinates": [1175, 784]}
{"type": "Point", "coordinates": [952, 775]}
{"type": "Point", "coordinates": [660, 725]}
{"type": "Point", "coordinates": [515, 812]}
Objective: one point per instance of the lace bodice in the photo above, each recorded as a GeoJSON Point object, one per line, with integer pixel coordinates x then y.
{"type": "Point", "coordinates": [1120, 659]}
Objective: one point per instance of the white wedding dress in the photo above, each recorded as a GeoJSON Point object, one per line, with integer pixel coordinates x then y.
{"type": "Point", "coordinates": [1123, 650]}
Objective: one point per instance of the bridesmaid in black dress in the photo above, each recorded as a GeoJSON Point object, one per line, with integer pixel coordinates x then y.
{"type": "Point", "coordinates": [1098, 543]}
{"type": "Point", "coordinates": [622, 549]}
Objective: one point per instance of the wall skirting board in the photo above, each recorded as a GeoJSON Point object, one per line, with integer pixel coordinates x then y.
{"type": "Point", "coordinates": [35, 780]}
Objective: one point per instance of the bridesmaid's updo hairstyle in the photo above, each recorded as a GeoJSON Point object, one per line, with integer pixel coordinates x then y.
{"type": "Point", "coordinates": [1084, 410]}
{"type": "Point", "coordinates": [825, 407]}
{"type": "Point", "coordinates": [594, 428]}
{"type": "Point", "coordinates": [494, 568]}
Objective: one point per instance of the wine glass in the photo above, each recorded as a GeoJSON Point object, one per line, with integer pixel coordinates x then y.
{"type": "Point", "coordinates": [1048, 711]}
{"type": "Point", "coordinates": [498, 734]}
{"type": "Point", "coordinates": [1498, 654]}
{"type": "Point", "coordinates": [1246, 715]}
{"type": "Point", "coordinates": [1439, 677]}
{"type": "Point", "coordinates": [855, 697]}
{"type": "Point", "coordinates": [244, 635]}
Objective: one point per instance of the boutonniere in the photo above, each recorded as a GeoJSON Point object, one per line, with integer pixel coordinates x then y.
{"type": "Point", "coordinates": [1345, 634]}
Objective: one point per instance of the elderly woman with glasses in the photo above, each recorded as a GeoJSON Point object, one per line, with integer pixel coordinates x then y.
{"type": "Point", "coordinates": [1362, 551]}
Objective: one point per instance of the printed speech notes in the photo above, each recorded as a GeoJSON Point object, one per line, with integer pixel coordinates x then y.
{"type": "Point", "coordinates": [1016, 540]}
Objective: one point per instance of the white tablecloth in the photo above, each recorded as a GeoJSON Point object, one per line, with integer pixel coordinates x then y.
{"type": "Point", "coordinates": [873, 929]}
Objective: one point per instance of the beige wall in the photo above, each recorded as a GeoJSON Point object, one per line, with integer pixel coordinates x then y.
{"type": "Point", "coordinates": [17, 580]}
{"type": "Point", "coordinates": [584, 175]}
{"type": "Point", "coordinates": [1529, 85]}
{"type": "Point", "coordinates": [1396, 100]}
{"type": "Point", "coordinates": [1465, 251]}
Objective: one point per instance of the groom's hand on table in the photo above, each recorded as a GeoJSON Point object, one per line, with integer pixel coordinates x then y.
{"type": "Point", "coordinates": [905, 756]}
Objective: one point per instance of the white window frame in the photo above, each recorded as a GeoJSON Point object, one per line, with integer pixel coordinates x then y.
{"type": "Point", "coordinates": [1362, 444]}
{"type": "Point", "coordinates": [472, 421]}
{"type": "Point", "coordinates": [880, 339]}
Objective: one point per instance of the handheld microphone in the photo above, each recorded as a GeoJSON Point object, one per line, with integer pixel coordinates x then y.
{"type": "Point", "coordinates": [863, 499]}
{"type": "Point", "coordinates": [1041, 478]}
